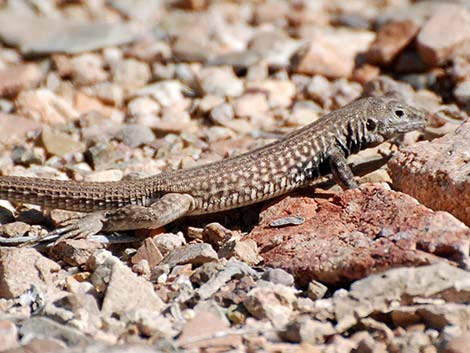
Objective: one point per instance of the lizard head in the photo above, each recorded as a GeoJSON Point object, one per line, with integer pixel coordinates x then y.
{"type": "Point", "coordinates": [389, 117]}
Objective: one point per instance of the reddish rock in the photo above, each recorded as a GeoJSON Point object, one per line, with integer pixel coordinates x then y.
{"type": "Point", "coordinates": [44, 106]}
{"type": "Point", "coordinates": [201, 332]}
{"type": "Point", "coordinates": [9, 334]}
{"type": "Point", "coordinates": [459, 344]}
{"type": "Point", "coordinates": [445, 35]}
{"type": "Point", "coordinates": [331, 55]}
{"type": "Point", "coordinates": [19, 77]}
{"type": "Point", "coordinates": [358, 232]}
{"type": "Point", "coordinates": [437, 173]}
{"type": "Point", "coordinates": [365, 73]}
{"type": "Point", "coordinates": [391, 40]}
{"type": "Point", "coordinates": [14, 128]}
{"type": "Point", "coordinates": [148, 251]}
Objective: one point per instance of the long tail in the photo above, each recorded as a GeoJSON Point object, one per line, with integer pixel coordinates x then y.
{"type": "Point", "coordinates": [72, 195]}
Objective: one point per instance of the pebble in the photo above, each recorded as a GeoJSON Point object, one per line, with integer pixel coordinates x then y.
{"type": "Point", "coordinates": [143, 106]}
{"type": "Point", "coordinates": [107, 92]}
{"type": "Point", "coordinates": [84, 69]}
{"type": "Point", "coordinates": [462, 93]}
{"type": "Point", "coordinates": [331, 55]}
{"type": "Point", "coordinates": [167, 93]}
{"type": "Point", "coordinates": [22, 268]}
{"type": "Point", "coordinates": [148, 251]}
{"type": "Point", "coordinates": [278, 276]}
{"type": "Point", "coordinates": [274, 303]}
{"type": "Point", "coordinates": [391, 40]}
{"type": "Point", "coordinates": [134, 135]}
{"type": "Point", "coordinates": [14, 229]}
{"type": "Point", "coordinates": [59, 144]}
{"type": "Point", "coordinates": [20, 77]}
{"type": "Point", "coordinates": [437, 165]}
{"type": "Point", "coordinates": [195, 254]}
{"type": "Point", "coordinates": [222, 114]}
{"type": "Point", "coordinates": [436, 46]}
{"type": "Point", "coordinates": [243, 250]}
{"type": "Point", "coordinates": [279, 92]}
{"type": "Point", "coordinates": [250, 105]}
{"type": "Point", "coordinates": [45, 107]}
{"type": "Point", "coordinates": [124, 290]}
{"type": "Point", "coordinates": [220, 81]}
{"type": "Point", "coordinates": [36, 35]}
{"type": "Point", "coordinates": [9, 334]}
{"type": "Point", "coordinates": [131, 74]}
{"type": "Point", "coordinates": [102, 156]}
{"type": "Point", "coordinates": [26, 157]}
{"type": "Point", "coordinates": [316, 290]}
{"type": "Point", "coordinates": [74, 252]}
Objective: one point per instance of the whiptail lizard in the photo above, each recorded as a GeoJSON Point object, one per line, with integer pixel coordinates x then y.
{"type": "Point", "coordinates": [262, 174]}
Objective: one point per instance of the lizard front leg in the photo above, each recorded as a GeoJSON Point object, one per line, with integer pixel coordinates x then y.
{"type": "Point", "coordinates": [340, 169]}
{"type": "Point", "coordinates": [165, 210]}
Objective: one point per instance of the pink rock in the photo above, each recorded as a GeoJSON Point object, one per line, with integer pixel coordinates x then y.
{"type": "Point", "coordinates": [391, 40]}
{"type": "Point", "coordinates": [22, 267]}
{"type": "Point", "coordinates": [358, 232]}
{"type": "Point", "coordinates": [331, 54]}
{"type": "Point", "coordinates": [16, 78]}
{"type": "Point", "coordinates": [44, 106]}
{"type": "Point", "coordinates": [201, 332]}
{"type": "Point", "coordinates": [437, 173]}
{"type": "Point", "coordinates": [14, 127]}
{"type": "Point", "coordinates": [445, 35]}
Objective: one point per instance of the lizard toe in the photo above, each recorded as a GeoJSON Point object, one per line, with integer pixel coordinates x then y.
{"type": "Point", "coordinates": [80, 227]}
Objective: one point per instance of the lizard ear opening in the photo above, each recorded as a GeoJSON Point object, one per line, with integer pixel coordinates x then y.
{"type": "Point", "coordinates": [370, 125]}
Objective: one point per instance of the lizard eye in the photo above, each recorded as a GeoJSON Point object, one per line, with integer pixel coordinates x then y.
{"type": "Point", "coordinates": [370, 125]}
{"type": "Point", "coordinates": [399, 113]}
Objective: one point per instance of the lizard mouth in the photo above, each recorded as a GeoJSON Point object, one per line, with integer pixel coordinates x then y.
{"type": "Point", "coordinates": [405, 127]}
{"type": "Point", "coordinates": [415, 125]}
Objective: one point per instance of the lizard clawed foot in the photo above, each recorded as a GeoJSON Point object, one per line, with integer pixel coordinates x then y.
{"type": "Point", "coordinates": [79, 227]}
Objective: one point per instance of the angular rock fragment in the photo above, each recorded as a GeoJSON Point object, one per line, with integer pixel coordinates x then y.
{"type": "Point", "coordinates": [436, 45]}
{"type": "Point", "coordinates": [437, 173]}
{"type": "Point", "coordinates": [19, 77]}
{"type": "Point", "coordinates": [202, 331]}
{"type": "Point", "coordinates": [20, 268]}
{"type": "Point", "coordinates": [195, 254]}
{"type": "Point", "coordinates": [75, 252]}
{"type": "Point", "coordinates": [36, 35]}
{"type": "Point", "coordinates": [391, 40]}
{"type": "Point", "coordinates": [123, 290]}
{"type": "Point", "coordinates": [274, 302]}
{"type": "Point", "coordinates": [43, 106]}
{"type": "Point", "coordinates": [331, 55]}
{"type": "Point", "coordinates": [392, 292]}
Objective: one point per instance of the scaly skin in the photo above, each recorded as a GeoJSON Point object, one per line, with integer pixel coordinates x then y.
{"type": "Point", "coordinates": [258, 175]}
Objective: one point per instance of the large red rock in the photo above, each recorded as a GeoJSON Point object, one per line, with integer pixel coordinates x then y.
{"type": "Point", "coordinates": [437, 173]}
{"type": "Point", "coordinates": [357, 232]}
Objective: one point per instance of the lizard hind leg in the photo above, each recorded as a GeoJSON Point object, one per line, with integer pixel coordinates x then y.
{"type": "Point", "coordinates": [165, 210]}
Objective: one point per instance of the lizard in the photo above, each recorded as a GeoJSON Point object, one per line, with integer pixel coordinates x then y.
{"type": "Point", "coordinates": [261, 174]}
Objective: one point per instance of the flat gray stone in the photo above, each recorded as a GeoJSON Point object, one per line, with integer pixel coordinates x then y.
{"type": "Point", "coordinates": [34, 35]}
{"type": "Point", "coordinates": [44, 327]}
